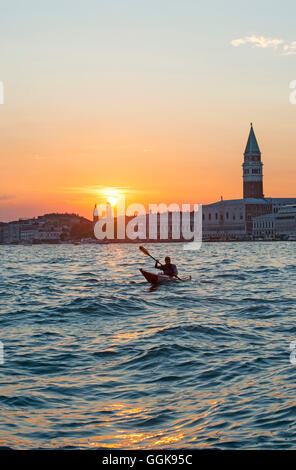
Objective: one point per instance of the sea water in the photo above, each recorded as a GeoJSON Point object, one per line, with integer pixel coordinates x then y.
{"type": "Point", "coordinates": [96, 358]}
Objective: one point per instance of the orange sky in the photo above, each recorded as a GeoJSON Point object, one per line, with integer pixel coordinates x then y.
{"type": "Point", "coordinates": [158, 105]}
{"type": "Point", "coordinates": [59, 170]}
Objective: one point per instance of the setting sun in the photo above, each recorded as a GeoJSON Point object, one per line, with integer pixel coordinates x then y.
{"type": "Point", "coordinates": [112, 200]}
{"type": "Point", "coordinates": [112, 195]}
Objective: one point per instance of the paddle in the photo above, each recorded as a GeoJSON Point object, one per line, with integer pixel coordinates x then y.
{"type": "Point", "coordinates": [146, 252]}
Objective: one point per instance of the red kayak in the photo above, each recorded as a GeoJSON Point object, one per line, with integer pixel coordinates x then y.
{"type": "Point", "coordinates": [156, 278]}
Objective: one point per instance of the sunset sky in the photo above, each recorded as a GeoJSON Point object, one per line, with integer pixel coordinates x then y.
{"type": "Point", "coordinates": [152, 98]}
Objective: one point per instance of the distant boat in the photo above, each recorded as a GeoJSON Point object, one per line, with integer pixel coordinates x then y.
{"type": "Point", "coordinates": [88, 240]}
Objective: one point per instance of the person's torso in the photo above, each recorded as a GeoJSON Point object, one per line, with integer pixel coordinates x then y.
{"type": "Point", "coordinates": [169, 270]}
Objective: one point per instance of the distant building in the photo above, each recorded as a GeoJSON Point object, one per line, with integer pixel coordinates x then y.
{"type": "Point", "coordinates": [279, 202]}
{"type": "Point", "coordinates": [280, 224]}
{"type": "Point", "coordinates": [28, 234]}
{"type": "Point", "coordinates": [49, 228]}
{"type": "Point", "coordinates": [232, 218]}
{"type": "Point", "coordinates": [11, 233]}
{"type": "Point", "coordinates": [264, 227]}
{"type": "Point", "coordinates": [50, 235]}
{"type": "Point", "coordinates": [2, 225]}
{"type": "Point", "coordinates": [286, 221]}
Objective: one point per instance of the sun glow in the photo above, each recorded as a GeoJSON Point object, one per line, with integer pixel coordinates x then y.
{"type": "Point", "coordinates": [112, 195]}
{"type": "Point", "coordinates": [112, 200]}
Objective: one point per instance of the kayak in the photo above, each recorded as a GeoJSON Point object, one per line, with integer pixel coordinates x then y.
{"type": "Point", "coordinates": [156, 278]}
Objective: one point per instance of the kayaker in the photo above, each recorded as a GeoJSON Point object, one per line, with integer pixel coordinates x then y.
{"type": "Point", "coordinates": [168, 268]}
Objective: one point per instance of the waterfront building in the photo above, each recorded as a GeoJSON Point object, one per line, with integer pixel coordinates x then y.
{"type": "Point", "coordinates": [264, 227]}
{"type": "Point", "coordinates": [11, 233]}
{"type": "Point", "coordinates": [286, 221]}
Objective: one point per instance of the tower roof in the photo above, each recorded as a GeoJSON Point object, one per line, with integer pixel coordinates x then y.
{"type": "Point", "coordinates": [252, 144]}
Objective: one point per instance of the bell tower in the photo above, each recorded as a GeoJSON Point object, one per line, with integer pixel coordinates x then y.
{"type": "Point", "coordinates": [252, 168]}
{"type": "Point", "coordinates": [95, 214]}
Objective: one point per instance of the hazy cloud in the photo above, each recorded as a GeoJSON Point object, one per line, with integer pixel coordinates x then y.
{"type": "Point", "coordinates": [264, 43]}
{"type": "Point", "coordinates": [96, 190]}
{"type": "Point", "coordinates": [258, 41]}
{"type": "Point", "coordinates": [6, 197]}
{"type": "Point", "coordinates": [290, 49]}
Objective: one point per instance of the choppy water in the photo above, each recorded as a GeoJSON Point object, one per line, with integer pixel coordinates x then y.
{"type": "Point", "coordinates": [96, 358]}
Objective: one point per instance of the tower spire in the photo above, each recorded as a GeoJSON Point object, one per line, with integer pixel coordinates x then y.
{"type": "Point", "coordinates": [252, 144]}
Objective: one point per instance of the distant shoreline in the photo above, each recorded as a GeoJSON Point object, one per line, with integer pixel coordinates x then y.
{"type": "Point", "coordinates": [125, 242]}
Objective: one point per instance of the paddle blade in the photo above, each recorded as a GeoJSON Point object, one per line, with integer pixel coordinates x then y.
{"type": "Point", "coordinates": [146, 252]}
